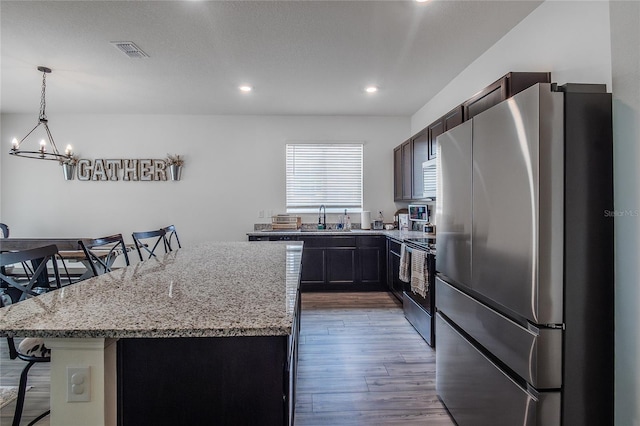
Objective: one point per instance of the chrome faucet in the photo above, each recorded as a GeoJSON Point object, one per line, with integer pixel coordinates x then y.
{"type": "Point", "coordinates": [322, 220]}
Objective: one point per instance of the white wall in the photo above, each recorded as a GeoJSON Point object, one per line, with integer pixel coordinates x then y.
{"type": "Point", "coordinates": [234, 168]}
{"type": "Point", "coordinates": [569, 39]}
{"type": "Point", "coordinates": [625, 52]}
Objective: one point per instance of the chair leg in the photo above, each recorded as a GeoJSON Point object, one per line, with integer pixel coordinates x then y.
{"type": "Point", "coordinates": [22, 390]}
{"type": "Point", "coordinates": [40, 417]}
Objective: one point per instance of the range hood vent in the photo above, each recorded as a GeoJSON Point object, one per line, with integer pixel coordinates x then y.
{"type": "Point", "coordinates": [130, 49]}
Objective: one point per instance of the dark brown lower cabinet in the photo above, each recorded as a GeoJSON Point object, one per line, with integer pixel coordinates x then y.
{"type": "Point", "coordinates": [372, 260]}
{"type": "Point", "coordinates": [314, 266]}
{"type": "Point", "coordinates": [343, 263]}
{"type": "Point", "coordinates": [393, 268]}
{"type": "Point", "coordinates": [236, 380]}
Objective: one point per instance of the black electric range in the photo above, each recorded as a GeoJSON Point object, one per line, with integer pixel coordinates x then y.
{"type": "Point", "coordinates": [425, 243]}
{"type": "Point", "coordinates": [418, 309]}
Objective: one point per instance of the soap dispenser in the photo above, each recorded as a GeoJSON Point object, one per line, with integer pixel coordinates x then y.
{"type": "Point", "coordinates": [379, 222]}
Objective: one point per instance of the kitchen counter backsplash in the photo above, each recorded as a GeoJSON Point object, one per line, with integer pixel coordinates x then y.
{"type": "Point", "coordinates": [304, 226]}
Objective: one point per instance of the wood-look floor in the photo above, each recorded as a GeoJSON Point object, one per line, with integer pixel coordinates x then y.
{"type": "Point", "coordinates": [360, 363]}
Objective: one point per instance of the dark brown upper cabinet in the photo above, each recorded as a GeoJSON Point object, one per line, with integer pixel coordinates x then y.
{"type": "Point", "coordinates": [407, 170]}
{"type": "Point", "coordinates": [397, 173]}
{"type": "Point", "coordinates": [453, 118]}
{"type": "Point", "coordinates": [409, 156]}
{"type": "Point", "coordinates": [407, 167]}
{"type": "Point", "coordinates": [435, 129]}
{"type": "Point", "coordinates": [402, 171]}
{"type": "Point", "coordinates": [443, 124]}
{"type": "Point", "coordinates": [501, 89]}
{"type": "Point", "coordinates": [420, 154]}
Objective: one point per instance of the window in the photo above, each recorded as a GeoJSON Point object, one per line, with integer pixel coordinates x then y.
{"type": "Point", "coordinates": [324, 173]}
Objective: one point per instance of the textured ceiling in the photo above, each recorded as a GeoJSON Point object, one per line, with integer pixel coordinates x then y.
{"type": "Point", "coordinates": [302, 57]}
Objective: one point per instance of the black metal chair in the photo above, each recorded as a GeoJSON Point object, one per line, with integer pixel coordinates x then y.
{"type": "Point", "coordinates": [5, 230]}
{"type": "Point", "coordinates": [30, 349]}
{"type": "Point", "coordinates": [34, 281]}
{"type": "Point", "coordinates": [171, 234]}
{"type": "Point", "coordinates": [102, 252]}
{"type": "Point", "coordinates": [150, 247]}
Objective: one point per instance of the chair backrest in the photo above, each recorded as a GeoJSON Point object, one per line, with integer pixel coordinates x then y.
{"type": "Point", "coordinates": [102, 252]}
{"type": "Point", "coordinates": [39, 258]}
{"type": "Point", "coordinates": [4, 230]}
{"type": "Point", "coordinates": [149, 247]}
{"type": "Point", "coordinates": [171, 235]}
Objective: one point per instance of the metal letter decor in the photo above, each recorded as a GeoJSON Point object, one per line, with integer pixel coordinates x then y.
{"type": "Point", "coordinates": [130, 169]}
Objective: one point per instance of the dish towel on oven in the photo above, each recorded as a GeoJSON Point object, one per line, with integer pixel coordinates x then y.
{"type": "Point", "coordinates": [419, 272]}
{"type": "Point", "coordinates": [403, 275]}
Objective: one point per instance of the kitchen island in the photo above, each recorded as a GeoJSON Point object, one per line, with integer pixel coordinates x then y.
{"type": "Point", "coordinates": [202, 335]}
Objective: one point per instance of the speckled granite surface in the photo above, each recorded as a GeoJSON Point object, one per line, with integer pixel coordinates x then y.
{"type": "Point", "coordinates": [396, 234]}
{"type": "Point", "coordinates": [210, 290]}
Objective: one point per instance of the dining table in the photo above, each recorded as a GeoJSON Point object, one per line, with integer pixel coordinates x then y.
{"type": "Point", "coordinates": [69, 250]}
{"type": "Point", "coordinates": [15, 244]}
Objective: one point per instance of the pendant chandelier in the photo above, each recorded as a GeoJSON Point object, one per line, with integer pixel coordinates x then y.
{"type": "Point", "coordinates": [41, 153]}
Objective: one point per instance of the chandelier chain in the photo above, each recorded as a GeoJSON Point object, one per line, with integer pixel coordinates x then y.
{"type": "Point", "coordinates": [43, 102]}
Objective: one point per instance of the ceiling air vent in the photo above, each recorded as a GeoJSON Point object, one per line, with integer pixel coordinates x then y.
{"type": "Point", "coordinates": [130, 49]}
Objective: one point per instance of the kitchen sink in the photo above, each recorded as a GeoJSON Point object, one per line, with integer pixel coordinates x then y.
{"type": "Point", "coordinates": [280, 231]}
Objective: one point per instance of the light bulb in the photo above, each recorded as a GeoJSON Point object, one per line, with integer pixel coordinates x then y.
{"type": "Point", "coordinates": [68, 151]}
{"type": "Point", "coordinates": [14, 143]}
{"type": "Point", "coordinates": [42, 145]}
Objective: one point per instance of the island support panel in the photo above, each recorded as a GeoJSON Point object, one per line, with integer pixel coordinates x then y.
{"type": "Point", "coordinates": [218, 380]}
{"type": "Point", "coordinates": [100, 356]}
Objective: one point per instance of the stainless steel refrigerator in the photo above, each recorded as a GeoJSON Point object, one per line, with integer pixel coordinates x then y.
{"type": "Point", "coordinates": [524, 287]}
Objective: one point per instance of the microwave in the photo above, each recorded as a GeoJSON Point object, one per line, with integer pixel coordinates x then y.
{"type": "Point", "coordinates": [418, 212]}
{"type": "Point", "coordinates": [429, 172]}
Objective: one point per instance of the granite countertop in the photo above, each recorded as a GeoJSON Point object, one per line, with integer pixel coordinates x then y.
{"type": "Point", "coordinates": [210, 290]}
{"type": "Point", "coordinates": [395, 233]}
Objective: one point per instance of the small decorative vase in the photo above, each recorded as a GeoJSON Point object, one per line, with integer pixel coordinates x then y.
{"type": "Point", "coordinates": [68, 170]}
{"type": "Point", "coordinates": [175, 171]}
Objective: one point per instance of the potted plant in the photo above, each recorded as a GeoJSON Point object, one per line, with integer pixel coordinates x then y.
{"type": "Point", "coordinates": [69, 166]}
{"type": "Point", "coordinates": [175, 163]}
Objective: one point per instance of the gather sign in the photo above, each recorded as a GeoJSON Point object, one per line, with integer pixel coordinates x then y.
{"type": "Point", "coordinates": [131, 169]}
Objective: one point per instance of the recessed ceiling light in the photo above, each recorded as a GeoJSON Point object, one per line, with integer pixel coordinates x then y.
{"type": "Point", "coordinates": [245, 88]}
{"type": "Point", "coordinates": [422, 1]}
{"type": "Point", "coordinates": [371, 89]}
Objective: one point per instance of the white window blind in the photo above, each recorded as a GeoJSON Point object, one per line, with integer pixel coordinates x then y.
{"type": "Point", "coordinates": [324, 173]}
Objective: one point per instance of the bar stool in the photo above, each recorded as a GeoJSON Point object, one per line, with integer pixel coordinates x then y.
{"type": "Point", "coordinates": [30, 349]}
